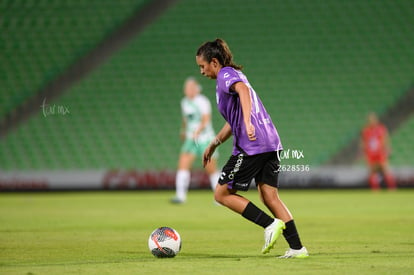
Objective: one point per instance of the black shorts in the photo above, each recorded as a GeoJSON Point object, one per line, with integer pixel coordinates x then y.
{"type": "Point", "coordinates": [241, 169]}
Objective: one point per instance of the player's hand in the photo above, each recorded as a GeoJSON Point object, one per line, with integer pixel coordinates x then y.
{"type": "Point", "coordinates": [196, 134]}
{"type": "Point", "coordinates": [250, 130]}
{"type": "Point", "coordinates": [208, 153]}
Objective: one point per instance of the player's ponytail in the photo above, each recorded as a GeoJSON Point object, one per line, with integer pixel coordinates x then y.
{"type": "Point", "coordinates": [220, 50]}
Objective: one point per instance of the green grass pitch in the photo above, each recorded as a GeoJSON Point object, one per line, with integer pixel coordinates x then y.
{"type": "Point", "coordinates": [346, 232]}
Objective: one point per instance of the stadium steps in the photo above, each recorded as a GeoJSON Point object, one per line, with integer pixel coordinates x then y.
{"type": "Point", "coordinates": [40, 39]}
{"type": "Point", "coordinates": [392, 118]}
{"type": "Point", "coordinates": [319, 67]}
{"type": "Point", "coordinates": [402, 144]}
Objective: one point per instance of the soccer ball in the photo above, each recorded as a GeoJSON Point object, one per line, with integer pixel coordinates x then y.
{"type": "Point", "coordinates": [164, 242]}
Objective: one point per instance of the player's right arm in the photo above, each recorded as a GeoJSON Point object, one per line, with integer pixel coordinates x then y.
{"type": "Point", "coordinates": [221, 137]}
{"type": "Point", "coordinates": [246, 106]}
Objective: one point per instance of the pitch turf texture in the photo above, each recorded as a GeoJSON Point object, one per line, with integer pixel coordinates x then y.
{"type": "Point", "coordinates": [346, 232]}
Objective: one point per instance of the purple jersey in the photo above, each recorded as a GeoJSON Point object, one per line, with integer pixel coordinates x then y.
{"type": "Point", "coordinates": [228, 103]}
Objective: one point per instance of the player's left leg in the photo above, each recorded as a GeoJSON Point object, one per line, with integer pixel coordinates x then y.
{"type": "Point", "coordinates": [388, 176]}
{"type": "Point", "coordinates": [270, 197]}
{"type": "Point", "coordinates": [267, 185]}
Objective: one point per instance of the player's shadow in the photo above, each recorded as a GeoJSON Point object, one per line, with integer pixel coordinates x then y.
{"type": "Point", "coordinates": [143, 256]}
{"type": "Point", "coordinates": [236, 257]}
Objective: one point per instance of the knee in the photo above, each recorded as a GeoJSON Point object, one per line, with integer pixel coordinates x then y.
{"type": "Point", "coordinates": [218, 197]}
{"type": "Point", "coordinates": [221, 194]}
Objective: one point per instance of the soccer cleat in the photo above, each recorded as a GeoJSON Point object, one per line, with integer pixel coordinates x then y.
{"type": "Point", "coordinates": [271, 233]}
{"type": "Point", "coordinates": [176, 200]}
{"type": "Point", "coordinates": [295, 253]}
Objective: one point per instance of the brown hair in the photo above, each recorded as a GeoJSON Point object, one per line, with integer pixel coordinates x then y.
{"type": "Point", "coordinates": [220, 50]}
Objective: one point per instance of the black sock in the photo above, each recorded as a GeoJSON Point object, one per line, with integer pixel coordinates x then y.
{"type": "Point", "coordinates": [291, 235]}
{"type": "Point", "coordinates": [254, 214]}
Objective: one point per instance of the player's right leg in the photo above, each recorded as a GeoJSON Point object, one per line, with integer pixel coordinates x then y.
{"type": "Point", "coordinates": [230, 198]}
{"type": "Point", "coordinates": [213, 173]}
{"type": "Point", "coordinates": [211, 166]}
{"type": "Point", "coordinates": [373, 179]}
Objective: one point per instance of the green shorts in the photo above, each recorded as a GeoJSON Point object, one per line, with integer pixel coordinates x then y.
{"type": "Point", "coordinates": [196, 148]}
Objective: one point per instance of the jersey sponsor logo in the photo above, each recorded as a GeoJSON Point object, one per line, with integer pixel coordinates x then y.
{"type": "Point", "coordinates": [237, 166]}
{"type": "Point", "coordinates": [226, 75]}
{"type": "Point", "coordinates": [264, 121]}
{"type": "Point", "coordinates": [230, 81]}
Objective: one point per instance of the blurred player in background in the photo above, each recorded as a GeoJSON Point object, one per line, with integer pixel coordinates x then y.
{"type": "Point", "coordinates": [376, 147]}
{"type": "Point", "coordinates": [196, 132]}
{"type": "Point", "coordinates": [255, 152]}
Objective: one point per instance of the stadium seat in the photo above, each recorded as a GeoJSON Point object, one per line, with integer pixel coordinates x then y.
{"type": "Point", "coordinates": [320, 67]}
{"type": "Point", "coordinates": [42, 38]}
{"type": "Point", "coordinates": [402, 145]}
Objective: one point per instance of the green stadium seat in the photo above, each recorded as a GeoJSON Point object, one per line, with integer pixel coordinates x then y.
{"type": "Point", "coordinates": [41, 39]}
{"type": "Point", "coordinates": [402, 145]}
{"type": "Point", "coordinates": [318, 66]}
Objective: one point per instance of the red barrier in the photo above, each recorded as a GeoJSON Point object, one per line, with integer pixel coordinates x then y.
{"type": "Point", "coordinates": [133, 179]}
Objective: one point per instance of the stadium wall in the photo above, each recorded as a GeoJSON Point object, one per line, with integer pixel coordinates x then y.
{"type": "Point", "coordinates": [322, 177]}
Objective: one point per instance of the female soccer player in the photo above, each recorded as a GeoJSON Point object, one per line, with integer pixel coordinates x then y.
{"type": "Point", "coordinates": [197, 132]}
{"type": "Point", "coordinates": [376, 146]}
{"type": "Point", "coordinates": [255, 152]}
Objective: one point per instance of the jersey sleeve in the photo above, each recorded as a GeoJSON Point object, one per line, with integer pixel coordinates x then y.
{"type": "Point", "coordinates": [226, 78]}
{"type": "Point", "coordinates": [203, 105]}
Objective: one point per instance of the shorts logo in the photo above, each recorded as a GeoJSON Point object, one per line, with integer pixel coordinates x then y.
{"type": "Point", "coordinates": [241, 185]}
{"type": "Point", "coordinates": [237, 166]}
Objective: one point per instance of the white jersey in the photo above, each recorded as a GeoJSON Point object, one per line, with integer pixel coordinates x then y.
{"type": "Point", "coordinates": [192, 111]}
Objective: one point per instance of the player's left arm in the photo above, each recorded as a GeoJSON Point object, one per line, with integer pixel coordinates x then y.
{"type": "Point", "coordinates": [246, 104]}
